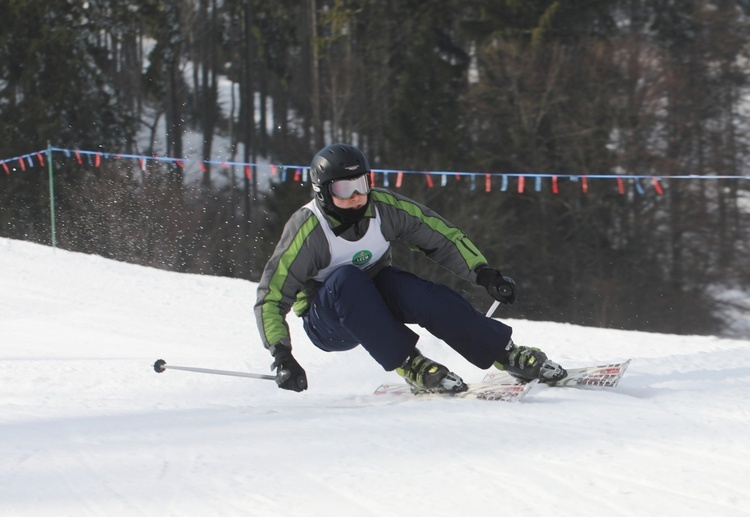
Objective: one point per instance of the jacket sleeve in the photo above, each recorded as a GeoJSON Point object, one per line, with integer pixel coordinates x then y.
{"type": "Point", "coordinates": [297, 258]}
{"type": "Point", "coordinates": [425, 230]}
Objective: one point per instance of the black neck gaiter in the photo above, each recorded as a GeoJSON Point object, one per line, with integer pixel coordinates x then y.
{"type": "Point", "coordinates": [348, 216]}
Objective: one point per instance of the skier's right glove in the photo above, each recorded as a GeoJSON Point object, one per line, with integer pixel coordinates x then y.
{"type": "Point", "coordinates": [289, 374]}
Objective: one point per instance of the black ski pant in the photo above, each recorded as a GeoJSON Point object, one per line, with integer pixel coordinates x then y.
{"type": "Point", "coordinates": [352, 309]}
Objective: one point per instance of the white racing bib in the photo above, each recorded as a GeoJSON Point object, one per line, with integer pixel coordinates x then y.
{"type": "Point", "coordinates": [362, 253]}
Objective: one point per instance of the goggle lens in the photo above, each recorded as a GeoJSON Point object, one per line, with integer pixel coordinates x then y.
{"type": "Point", "coordinates": [346, 188]}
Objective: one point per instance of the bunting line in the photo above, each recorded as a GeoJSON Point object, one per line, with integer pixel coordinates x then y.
{"type": "Point", "coordinates": [300, 173]}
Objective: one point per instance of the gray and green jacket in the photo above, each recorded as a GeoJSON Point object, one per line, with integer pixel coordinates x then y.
{"type": "Point", "coordinates": [303, 251]}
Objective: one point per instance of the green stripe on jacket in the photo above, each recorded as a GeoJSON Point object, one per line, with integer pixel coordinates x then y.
{"type": "Point", "coordinates": [274, 326]}
{"type": "Point", "coordinates": [468, 250]}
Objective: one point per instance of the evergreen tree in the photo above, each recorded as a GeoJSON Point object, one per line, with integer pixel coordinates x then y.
{"type": "Point", "coordinates": [54, 87]}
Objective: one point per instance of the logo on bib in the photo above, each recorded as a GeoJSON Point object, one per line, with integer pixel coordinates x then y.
{"type": "Point", "coordinates": [361, 258]}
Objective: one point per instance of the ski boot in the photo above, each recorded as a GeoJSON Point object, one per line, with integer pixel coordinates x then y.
{"type": "Point", "coordinates": [528, 363]}
{"type": "Point", "coordinates": [425, 375]}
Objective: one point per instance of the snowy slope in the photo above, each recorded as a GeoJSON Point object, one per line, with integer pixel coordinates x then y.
{"type": "Point", "coordinates": [87, 428]}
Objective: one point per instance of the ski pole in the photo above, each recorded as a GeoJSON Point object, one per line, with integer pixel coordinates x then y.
{"type": "Point", "coordinates": [492, 309]}
{"type": "Point", "coordinates": [161, 365]}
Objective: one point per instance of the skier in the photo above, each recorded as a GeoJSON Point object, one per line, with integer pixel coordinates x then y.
{"type": "Point", "coordinates": [332, 265]}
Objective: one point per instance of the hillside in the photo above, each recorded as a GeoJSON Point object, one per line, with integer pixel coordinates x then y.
{"type": "Point", "coordinates": [87, 428]}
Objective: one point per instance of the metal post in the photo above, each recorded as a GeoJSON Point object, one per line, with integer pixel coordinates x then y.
{"type": "Point", "coordinates": [53, 230]}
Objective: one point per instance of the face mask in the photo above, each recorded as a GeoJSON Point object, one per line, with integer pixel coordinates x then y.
{"type": "Point", "coordinates": [351, 215]}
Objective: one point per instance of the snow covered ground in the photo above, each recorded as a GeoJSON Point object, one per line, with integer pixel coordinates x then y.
{"type": "Point", "coordinates": [87, 428]}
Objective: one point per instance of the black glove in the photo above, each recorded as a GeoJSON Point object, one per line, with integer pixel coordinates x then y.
{"type": "Point", "coordinates": [289, 374]}
{"type": "Point", "coordinates": [501, 288]}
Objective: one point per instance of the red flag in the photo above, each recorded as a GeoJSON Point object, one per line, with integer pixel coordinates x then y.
{"type": "Point", "coordinates": [249, 174]}
{"type": "Point", "coordinates": [5, 166]}
{"type": "Point", "coordinates": [40, 157]}
{"type": "Point", "coordinates": [372, 178]}
{"type": "Point", "coordinates": [584, 184]}
{"type": "Point", "coordinates": [657, 186]}
{"type": "Point", "coordinates": [487, 183]}
{"type": "Point", "coordinates": [23, 165]}
{"type": "Point", "coordinates": [98, 160]}
{"type": "Point", "coordinates": [555, 189]}
{"type": "Point", "coordinates": [399, 179]}
{"type": "Point", "coordinates": [273, 170]}
{"type": "Point", "coordinates": [620, 186]}
{"type": "Point", "coordinates": [521, 184]}
{"type": "Point", "coordinates": [78, 157]}
{"type": "Point", "coordinates": [202, 166]}
{"type": "Point", "coordinates": [429, 181]}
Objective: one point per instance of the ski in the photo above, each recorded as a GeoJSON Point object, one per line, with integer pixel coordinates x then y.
{"type": "Point", "coordinates": [603, 376]}
{"type": "Point", "coordinates": [507, 389]}
{"type": "Point", "coordinates": [501, 386]}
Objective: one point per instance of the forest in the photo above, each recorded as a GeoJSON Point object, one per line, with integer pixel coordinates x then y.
{"type": "Point", "coordinates": [561, 94]}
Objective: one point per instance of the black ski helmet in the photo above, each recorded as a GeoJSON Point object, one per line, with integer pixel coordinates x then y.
{"type": "Point", "coordinates": [335, 162]}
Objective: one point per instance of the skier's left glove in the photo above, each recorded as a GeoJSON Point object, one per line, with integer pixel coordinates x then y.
{"type": "Point", "coordinates": [289, 374]}
{"type": "Point", "coordinates": [501, 288]}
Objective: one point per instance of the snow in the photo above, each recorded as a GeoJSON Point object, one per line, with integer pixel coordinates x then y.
{"type": "Point", "coordinates": [87, 428]}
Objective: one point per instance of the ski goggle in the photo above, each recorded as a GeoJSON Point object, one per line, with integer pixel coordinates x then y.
{"type": "Point", "coordinates": [346, 188]}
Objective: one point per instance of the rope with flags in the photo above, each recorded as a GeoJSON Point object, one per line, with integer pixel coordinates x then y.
{"type": "Point", "coordinates": [385, 177]}
{"type": "Point", "coordinates": [299, 173]}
